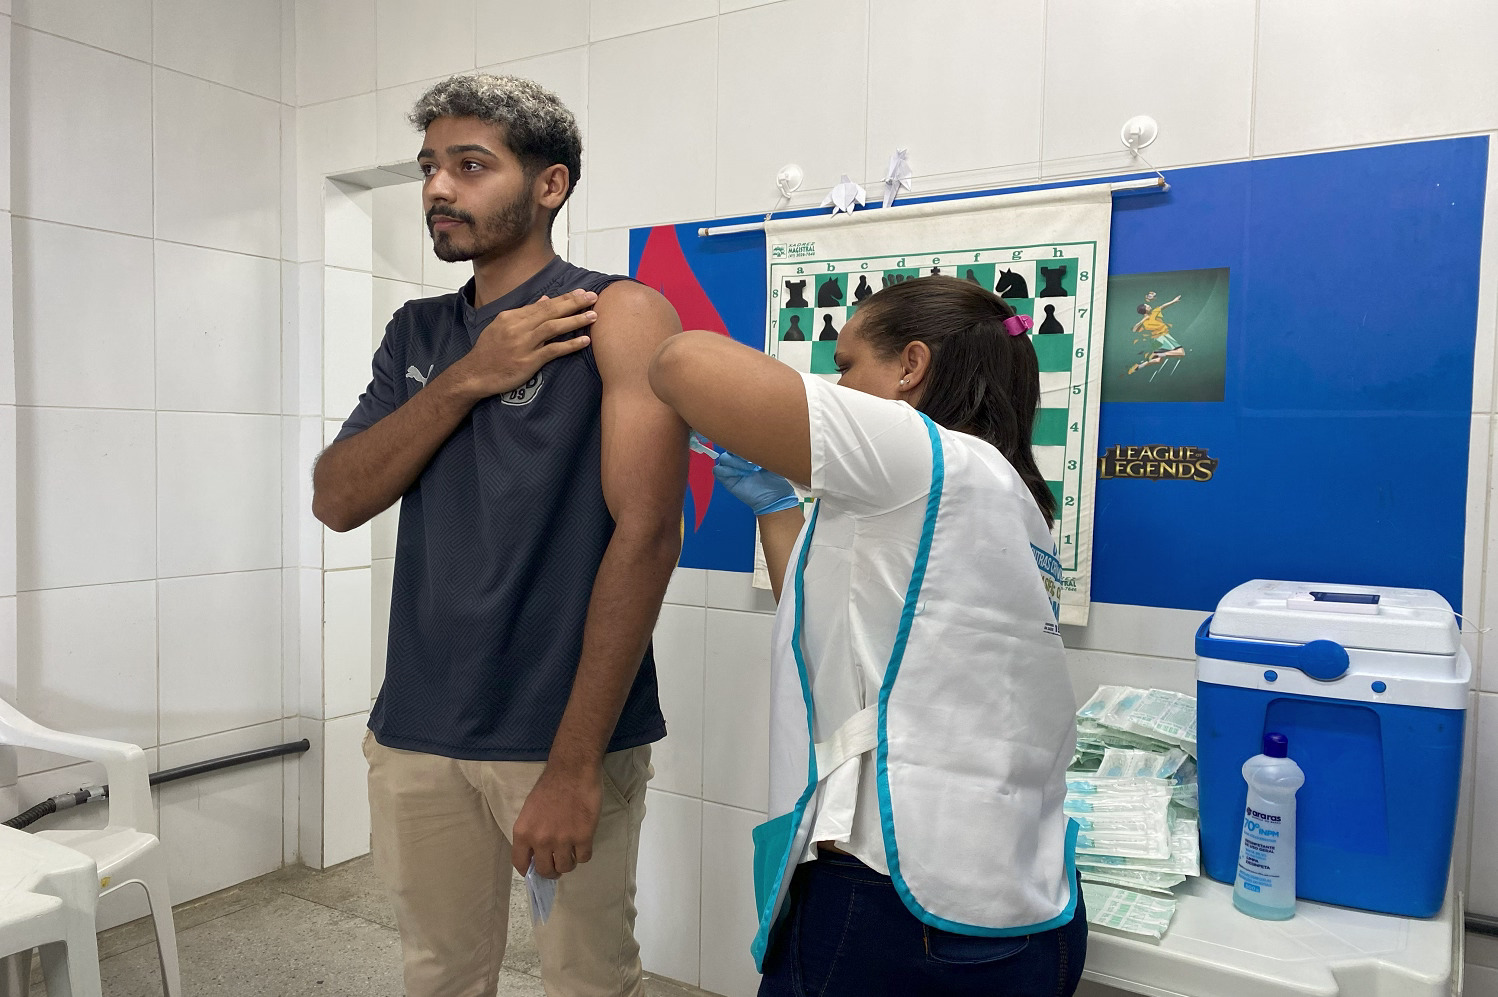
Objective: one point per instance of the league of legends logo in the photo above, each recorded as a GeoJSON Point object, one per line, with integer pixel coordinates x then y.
{"type": "Point", "coordinates": [1157, 463]}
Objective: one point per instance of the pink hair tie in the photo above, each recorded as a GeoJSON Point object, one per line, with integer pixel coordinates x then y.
{"type": "Point", "coordinates": [1017, 325]}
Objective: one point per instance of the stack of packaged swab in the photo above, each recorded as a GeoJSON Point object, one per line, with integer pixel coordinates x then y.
{"type": "Point", "coordinates": [1132, 791]}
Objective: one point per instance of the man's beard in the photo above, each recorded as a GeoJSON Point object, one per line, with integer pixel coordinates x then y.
{"type": "Point", "coordinates": [499, 233]}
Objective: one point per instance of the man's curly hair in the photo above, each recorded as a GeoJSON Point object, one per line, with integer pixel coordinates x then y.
{"type": "Point", "coordinates": [537, 126]}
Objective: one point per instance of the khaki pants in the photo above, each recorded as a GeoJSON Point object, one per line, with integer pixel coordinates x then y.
{"type": "Point", "coordinates": [441, 831]}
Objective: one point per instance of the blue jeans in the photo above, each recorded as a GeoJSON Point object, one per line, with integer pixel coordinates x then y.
{"type": "Point", "coordinates": [847, 932]}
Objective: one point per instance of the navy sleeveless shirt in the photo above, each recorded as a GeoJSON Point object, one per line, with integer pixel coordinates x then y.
{"type": "Point", "coordinates": [500, 539]}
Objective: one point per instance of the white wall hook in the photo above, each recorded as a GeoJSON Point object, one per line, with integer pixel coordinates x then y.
{"type": "Point", "coordinates": [1139, 132]}
{"type": "Point", "coordinates": [789, 179]}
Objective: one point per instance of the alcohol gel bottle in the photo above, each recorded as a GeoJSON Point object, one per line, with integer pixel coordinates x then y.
{"type": "Point", "coordinates": [1265, 884]}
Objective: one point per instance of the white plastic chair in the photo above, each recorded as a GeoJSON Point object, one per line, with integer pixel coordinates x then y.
{"type": "Point", "coordinates": [48, 899]}
{"type": "Point", "coordinates": [127, 850]}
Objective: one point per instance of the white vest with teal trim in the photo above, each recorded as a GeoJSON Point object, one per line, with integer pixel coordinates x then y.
{"type": "Point", "coordinates": [974, 724]}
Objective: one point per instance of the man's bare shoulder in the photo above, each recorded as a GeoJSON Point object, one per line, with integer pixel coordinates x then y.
{"type": "Point", "coordinates": [633, 320]}
{"type": "Point", "coordinates": [633, 297]}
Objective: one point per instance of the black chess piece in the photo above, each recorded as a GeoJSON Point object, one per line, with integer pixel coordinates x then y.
{"type": "Point", "coordinates": [971, 277]}
{"type": "Point", "coordinates": [1011, 285]}
{"type": "Point", "coordinates": [1051, 326]}
{"type": "Point", "coordinates": [795, 334]}
{"type": "Point", "coordinates": [863, 290]}
{"type": "Point", "coordinates": [830, 294]}
{"type": "Point", "coordinates": [797, 291]}
{"type": "Point", "coordinates": [828, 333]}
{"type": "Point", "coordinates": [1053, 288]}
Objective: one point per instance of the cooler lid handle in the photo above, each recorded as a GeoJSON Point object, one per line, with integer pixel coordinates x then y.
{"type": "Point", "coordinates": [1321, 659]}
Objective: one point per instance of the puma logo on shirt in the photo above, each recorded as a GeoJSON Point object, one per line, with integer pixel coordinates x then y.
{"type": "Point", "coordinates": [416, 375]}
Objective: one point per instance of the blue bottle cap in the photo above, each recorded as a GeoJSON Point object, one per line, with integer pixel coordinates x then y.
{"type": "Point", "coordinates": [1276, 746]}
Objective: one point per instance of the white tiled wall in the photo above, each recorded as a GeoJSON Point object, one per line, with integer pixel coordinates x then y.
{"type": "Point", "coordinates": [205, 132]}
{"type": "Point", "coordinates": [935, 69]}
{"type": "Point", "coordinates": [395, 142]}
{"type": "Point", "coordinates": [235, 44]}
{"type": "Point", "coordinates": [123, 26]}
{"type": "Point", "coordinates": [610, 20]}
{"type": "Point", "coordinates": [60, 90]}
{"type": "Point", "coordinates": [225, 827]}
{"type": "Point", "coordinates": [218, 492]}
{"type": "Point", "coordinates": [85, 497]}
{"type": "Point", "coordinates": [728, 919]}
{"type": "Point", "coordinates": [397, 243]}
{"type": "Point", "coordinates": [89, 651]}
{"type": "Point", "coordinates": [680, 643]}
{"type": "Point", "coordinates": [756, 134]}
{"type": "Point", "coordinates": [212, 312]}
{"type": "Point", "coordinates": [328, 26]}
{"type": "Point", "coordinates": [347, 302]}
{"type": "Point", "coordinates": [670, 877]}
{"type": "Point", "coordinates": [95, 350]}
{"type": "Point", "coordinates": [345, 797]}
{"type": "Point", "coordinates": [1202, 97]}
{"type": "Point", "coordinates": [220, 653]}
{"type": "Point", "coordinates": [736, 759]}
{"type": "Point", "coordinates": [643, 124]}
{"type": "Point", "coordinates": [407, 48]}
{"type": "Point", "coordinates": [347, 639]}
{"type": "Point", "coordinates": [141, 513]}
{"type": "Point", "coordinates": [504, 37]}
{"type": "Point", "coordinates": [1322, 81]}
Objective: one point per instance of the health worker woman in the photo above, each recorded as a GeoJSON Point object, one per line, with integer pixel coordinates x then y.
{"type": "Point", "coordinates": [921, 714]}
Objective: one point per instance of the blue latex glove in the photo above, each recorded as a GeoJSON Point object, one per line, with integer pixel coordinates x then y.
{"type": "Point", "coordinates": [763, 491]}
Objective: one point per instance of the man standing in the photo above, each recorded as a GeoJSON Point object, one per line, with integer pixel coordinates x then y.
{"type": "Point", "coordinates": [542, 483]}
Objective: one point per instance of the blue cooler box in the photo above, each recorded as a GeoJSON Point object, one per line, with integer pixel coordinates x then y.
{"type": "Point", "coordinates": [1370, 686]}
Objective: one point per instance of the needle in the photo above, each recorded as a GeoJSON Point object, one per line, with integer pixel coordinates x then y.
{"type": "Point", "coordinates": [697, 443]}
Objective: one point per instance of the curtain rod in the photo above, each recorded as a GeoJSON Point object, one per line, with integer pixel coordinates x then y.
{"type": "Point", "coordinates": [1156, 182]}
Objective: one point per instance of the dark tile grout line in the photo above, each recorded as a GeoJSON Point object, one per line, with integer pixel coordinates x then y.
{"type": "Point", "coordinates": [335, 909]}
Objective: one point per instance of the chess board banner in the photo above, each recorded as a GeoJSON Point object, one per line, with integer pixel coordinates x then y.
{"type": "Point", "coordinates": [1045, 252]}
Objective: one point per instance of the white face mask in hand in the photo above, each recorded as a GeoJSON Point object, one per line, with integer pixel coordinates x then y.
{"type": "Point", "coordinates": [542, 891]}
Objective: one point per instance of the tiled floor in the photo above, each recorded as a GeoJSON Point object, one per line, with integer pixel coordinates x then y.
{"type": "Point", "coordinates": [300, 932]}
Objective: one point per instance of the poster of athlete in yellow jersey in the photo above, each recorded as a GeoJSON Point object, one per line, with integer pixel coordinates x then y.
{"type": "Point", "coordinates": [1166, 337]}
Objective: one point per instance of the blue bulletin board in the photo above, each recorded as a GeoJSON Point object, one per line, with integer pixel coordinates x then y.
{"type": "Point", "coordinates": [1341, 438]}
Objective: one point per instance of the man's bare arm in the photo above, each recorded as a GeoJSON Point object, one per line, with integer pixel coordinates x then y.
{"type": "Point", "coordinates": [644, 468]}
{"type": "Point", "coordinates": [358, 478]}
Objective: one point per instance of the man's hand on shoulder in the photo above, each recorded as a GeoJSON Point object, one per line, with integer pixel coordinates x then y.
{"type": "Point", "coordinates": [520, 341]}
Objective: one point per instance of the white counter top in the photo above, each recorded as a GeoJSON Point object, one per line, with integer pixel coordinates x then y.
{"type": "Point", "coordinates": [1213, 950]}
